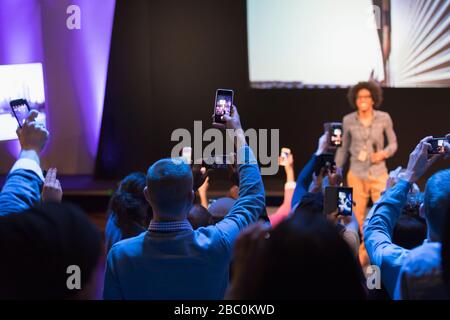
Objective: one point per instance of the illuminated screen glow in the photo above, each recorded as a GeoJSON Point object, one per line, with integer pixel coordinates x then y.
{"type": "Point", "coordinates": [20, 81]}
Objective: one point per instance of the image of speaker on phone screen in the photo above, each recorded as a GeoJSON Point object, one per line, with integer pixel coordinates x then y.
{"type": "Point", "coordinates": [440, 146]}
{"type": "Point", "coordinates": [335, 134]}
{"type": "Point", "coordinates": [223, 105]}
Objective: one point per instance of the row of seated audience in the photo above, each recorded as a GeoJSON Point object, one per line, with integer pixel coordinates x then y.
{"type": "Point", "coordinates": [164, 239]}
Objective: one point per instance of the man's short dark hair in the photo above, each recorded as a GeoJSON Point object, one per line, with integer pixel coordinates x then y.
{"type": "Point", "coordinates": [375, 91]}
{"type": "Point", "coordinates": [445, 252]}
{"type": "Point", "coordinates": [409, 231]}
{"type": "Point", "coordinates": [170, 181]}
{"type": "Point", "coordinates": [437, 200]}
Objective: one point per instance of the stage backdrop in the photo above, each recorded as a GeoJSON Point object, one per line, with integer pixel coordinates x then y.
{"type": "Point", "coordinates": [75, 66]}
{"type": "Point", "coordinates": [167, 59]}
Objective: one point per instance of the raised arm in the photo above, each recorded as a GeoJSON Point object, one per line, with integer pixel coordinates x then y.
{"type": "Point", "coordinates": [25, 179]}
{"type": "Point", "coordinates": [251, 201]}
{"type": "Point", "coordinates": [383, 216]}
{"type": "Point", "coordinates": [305, 177]}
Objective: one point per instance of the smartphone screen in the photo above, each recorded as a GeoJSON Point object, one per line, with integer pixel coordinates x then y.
{"type": "Point", "coordinates": [284, 155]}
{"type": "Point", "coordinates": [437, 146]}
{"type": "Point", "coordinates": [344, 201]}
{"type": "Point", "coordinates": [338, 199]}
{"type": "Point", "coordinates": [20, 109]}
{"type": "Point", "coordinates": [186, 154]}
{"type": "Point", "coordinates": [223, 104]}
{"type": "Point", "coordinates": [336, 134]}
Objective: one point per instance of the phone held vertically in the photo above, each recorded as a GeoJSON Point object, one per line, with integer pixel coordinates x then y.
{"type": "Point", "coordinates": [186, 154]}
{"type": "Point", "coordinates": [336, 134]}
{"type": "Point", "coordinates": [20, 109]}
{"type": "Point", "coordinates": [223, 104]}
{"type": "Point", "coordinates": [338, 199]}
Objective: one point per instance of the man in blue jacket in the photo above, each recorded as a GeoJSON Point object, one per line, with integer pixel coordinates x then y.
{"type": "Point", "coordinates": [23, 185]}
{"type": "Point", "coordinates": [171, 260]}
{"type": "Point", "coordinates": [411, 274]}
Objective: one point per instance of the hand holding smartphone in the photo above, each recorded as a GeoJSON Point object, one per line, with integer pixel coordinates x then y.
{"type": "Point", "coordinates": [284, 156]}
{"type": "Point", "coordinates": [186, 154]}
{"type": "Point", "coordinates": [223, 104]}
{"type": "Point", "coordinates": [340, 199]}
{"type": "Point", "coordinates": [20, 109]}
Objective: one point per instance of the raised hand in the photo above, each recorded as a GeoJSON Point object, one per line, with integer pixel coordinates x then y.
{"type": "Point", "coordinates": [52, 191]}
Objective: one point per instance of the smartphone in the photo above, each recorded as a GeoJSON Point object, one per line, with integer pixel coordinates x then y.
{"type": "Point", "coordinates": [437, 146]}
{"type": "Point", "coordinates": [325, 160]}
{"type": "Point", "coordinates": [284, 155]}
{"type": "Point", "coordinates": [20, 109]}
{"type": "Point", "coordinates": [186, 154]}
{"type": "Point", "coordinates": [335, 134]}
{"type": "Point", "coordinates": [223, 104]}
{"type": "Point", "coordinates": [340, 199]}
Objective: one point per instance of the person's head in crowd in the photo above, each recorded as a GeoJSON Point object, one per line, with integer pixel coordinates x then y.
{"type": "Point", "coordinates": [311, 203]}
{"type": "Point", "coordinates": [169, 189]}
{"type": "Point", "coordinates": [410, 230]}
{"type": "Point", "coordinates": [436, 203]}
{"type": "Point", "coordinates": [199, 216]}
{"type": "Point", "coordinates": [128, 203]}
{"type": "Point", "coordinates": [304, 257]}
{"type": "Point", "coordinates": [50, 252]}
{"type": "Point", "coordinates": [445, 253]}
{"type": "Point", "coordinates": [220, 208]}
{"type": "Point", "coordinates": [365, 96]}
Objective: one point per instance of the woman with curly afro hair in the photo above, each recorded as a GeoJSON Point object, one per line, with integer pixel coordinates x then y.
{"type": "Point", "coordinates": [364, 140]}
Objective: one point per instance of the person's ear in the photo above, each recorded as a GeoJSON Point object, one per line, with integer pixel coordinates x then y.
{"type": "Point", "coordinates": [147, 195]}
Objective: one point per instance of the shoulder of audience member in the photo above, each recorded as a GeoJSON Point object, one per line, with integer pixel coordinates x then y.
{"type": "Point", "coordinates": [130, 246]}
{"type": "Point", "coordinates": [215, 241]}
{"type": "Point", "coordinates": [208, 237]}
{"type": "Point", "coordinates": [423, 258]}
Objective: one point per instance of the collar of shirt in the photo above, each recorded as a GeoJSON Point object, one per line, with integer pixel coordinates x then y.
{"type": "Point", "coordinates": [375, 114]}
{"type": "Point", "coordinates": [169, 226]}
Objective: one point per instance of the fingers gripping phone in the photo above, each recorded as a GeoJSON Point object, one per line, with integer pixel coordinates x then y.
{"type": "Point", "coordinates": [340, 199]}
{"type": "Point", "coordinates": [20, 109]}
{"type": "Point", "coordinates": [223, 104]}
